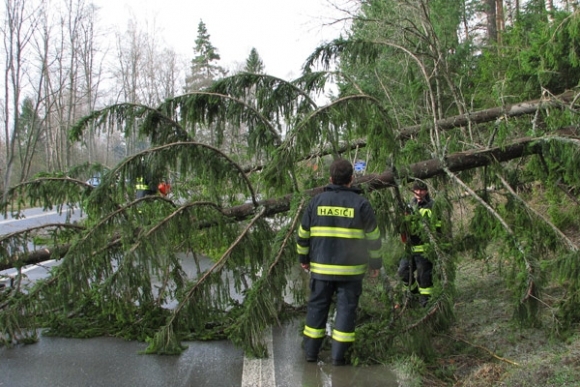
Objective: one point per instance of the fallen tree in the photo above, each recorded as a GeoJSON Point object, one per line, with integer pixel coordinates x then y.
{"type": "Point", "coordinates": [561, 101]}
{"type": "Point", "coordinates": [422, 170]}
{"type": "Point", "coordinates": [125, 262]}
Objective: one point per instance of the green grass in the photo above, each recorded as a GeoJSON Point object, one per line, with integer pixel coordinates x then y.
{"type": "Point", "coordinates": [486, 347]}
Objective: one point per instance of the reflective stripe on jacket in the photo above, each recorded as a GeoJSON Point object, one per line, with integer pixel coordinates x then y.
{"type": "Point", "coordinates": [339, 236]}
{"type": "Point", "coordinates": [140, 184]}
{"type": "Point", "coordinates": [418, 241]}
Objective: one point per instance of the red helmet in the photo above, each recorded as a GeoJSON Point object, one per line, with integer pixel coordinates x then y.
{"type": "Point", "coordinates": [164, 188]}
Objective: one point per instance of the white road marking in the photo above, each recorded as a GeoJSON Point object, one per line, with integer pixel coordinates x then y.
{"type": "Point", "coordinates": [28, 217]}
{"type": "Point", "coordinates": [41, 264]}
{"type": "Point", "coordinates": [11, 273]}
{"type": "Point", "coordinates": [260, 372]}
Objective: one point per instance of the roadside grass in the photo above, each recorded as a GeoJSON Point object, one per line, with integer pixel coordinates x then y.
{"type": "Point", "coordinates": [487, 347]}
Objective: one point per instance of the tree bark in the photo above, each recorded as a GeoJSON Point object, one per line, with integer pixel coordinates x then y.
{"type": "Point", "coordinates": [37, 256]}
{"type": "Point", "coordinates": [515, 110]}
{"type": "Point", "coordinates": [456, 162]}
{"type": "Point", "coordinates": [491, 15]}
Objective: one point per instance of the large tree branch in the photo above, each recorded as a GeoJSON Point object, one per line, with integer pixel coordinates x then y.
{"type": "Point", "coordinates": [456, 162]}
{"type": "Point", "coordinates": [477, 117]}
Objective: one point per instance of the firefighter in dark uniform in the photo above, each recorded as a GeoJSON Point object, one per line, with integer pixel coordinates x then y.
{"type": "Point", "coordinates": [144, 184]}
{"type": "Point", "coordinates": [417, 242]}
{"type": "Point", "coordinates": [143, 187]}
{"type": "Point", "coordinates": [338, 242]}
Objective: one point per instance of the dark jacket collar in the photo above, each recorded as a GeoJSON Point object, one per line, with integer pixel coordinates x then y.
{"type": "Point", "coordinates": [334, 187]}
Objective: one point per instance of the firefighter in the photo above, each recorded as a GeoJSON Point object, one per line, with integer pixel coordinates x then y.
{"type": "Point", "coordinates": [417, 241]}
{"type": "Point", "coordinates": [146, 184]}
{"type": "Point", "coordinates": [338, 242]}
{"type": "Point", "coordinates": [143, 187]}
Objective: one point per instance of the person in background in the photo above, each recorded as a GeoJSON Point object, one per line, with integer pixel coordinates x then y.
{"type": "Point", "coordinates": [414, 236]}
{"type": "Point", "coordinates": [143, 187]}
{"type": "Point", "coordinates": [146, 185]}
{"type": "Point", "coordinates": [338, 242]}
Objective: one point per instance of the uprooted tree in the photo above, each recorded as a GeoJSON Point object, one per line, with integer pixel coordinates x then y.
{"type": "Point", "coordinates": [239, 202]}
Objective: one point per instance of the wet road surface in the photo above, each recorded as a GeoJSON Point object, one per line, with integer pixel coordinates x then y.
{"type": "Point", "coordinates": [111, 362]}
{"type": "Point", "coordinates": [100, 362]}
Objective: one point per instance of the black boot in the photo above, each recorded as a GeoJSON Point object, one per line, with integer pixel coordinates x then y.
{"type": "Point", "coordinates": [312, 347]}
{"type": "Point", "coordinates": [338, 351]}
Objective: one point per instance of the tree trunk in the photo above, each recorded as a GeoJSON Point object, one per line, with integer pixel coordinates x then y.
{"type": "Point", "coordinates": [456, 162]}
{"type": "Point", "coordinates": [487, 115]}
{"type": "Point", "coordinates": [491, 16]}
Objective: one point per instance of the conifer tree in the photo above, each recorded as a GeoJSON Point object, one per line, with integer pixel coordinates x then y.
{"type": "Point", "coordinates": [254, 63]}
{"type": "Point", "coordinates": [29, 138]}
{"type": "Point", "coordinates": [403, 106]}
{"type": "Point", "coordinates": [204, 67]}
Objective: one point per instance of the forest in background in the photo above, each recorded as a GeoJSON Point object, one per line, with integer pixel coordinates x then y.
{"type": "Point", "coordinates": [476, 98]}
{"type": "Point", "coordinates": [61, 61]}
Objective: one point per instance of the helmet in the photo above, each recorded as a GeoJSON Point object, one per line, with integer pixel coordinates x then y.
{"type": "Point", "coordinates": [164, 188]}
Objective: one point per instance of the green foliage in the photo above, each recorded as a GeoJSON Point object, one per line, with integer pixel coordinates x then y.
{"type": "Point", "coordinates": [568, 271]}
{"type": "Point", "coordinates": [244, 154]}
{"type": "Point", "coordinates": [14, 327]}
{"type": "Point", "coordinates": [90, 319]}
{"type": "Point", "coordinates": [203, 67]}
{"type": "Point", "coordinates": [419, 343]}
{"type": "Point", "coordinates": [375, 331]}
{"type": "Point", "coordinates": [535, 55]}
{"type": "Point", "coordinates": [254, 63]}
{"type": "Point", "coordinates": [373, 343]}
{"type": "Point", "coordinates": [165, 342]}
{"type": "Point", "coordinates": [484, 228]}
{"type": "Point", "coordinates": [264, 302]}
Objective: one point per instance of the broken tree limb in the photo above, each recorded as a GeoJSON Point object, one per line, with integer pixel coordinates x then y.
{"type": "Point", "coordinates": [476, 117]}
{"type": "Point", "coordinates": [37, 256]}
{"type": "Point", "coordinates": [486, 115]}
{"type": "Point", "coordinates": [426, 169]}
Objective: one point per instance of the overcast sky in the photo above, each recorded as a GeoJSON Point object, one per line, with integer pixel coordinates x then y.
{"type": "Point", "coordinates": [284, 32]}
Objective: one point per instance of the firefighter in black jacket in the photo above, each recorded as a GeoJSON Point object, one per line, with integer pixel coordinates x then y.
{"type": "Point", "coordinates": [418, 243]}
{"type": "Point", "coordinates": [338, 241]}
{"type": "Point", "coordinates": [143, 187]}
{"type": "Point", "coordinates": [146, 185]}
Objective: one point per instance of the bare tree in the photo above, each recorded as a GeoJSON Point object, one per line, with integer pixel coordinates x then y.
{"type": "Point", "coordinates": [20, 23]}
{"type": "Point", "coordinates": [129, 57]}
{"type": "Point", "coordinates": [91, 67]}
{"type": "Point", "coordinates": [170, 69]}
{"type": "Point", "coordinates": [146, 73]}
{"type": "Point", "coordinates": [67, 55]}
{"type": "Point", "coordinates": [161, 67]}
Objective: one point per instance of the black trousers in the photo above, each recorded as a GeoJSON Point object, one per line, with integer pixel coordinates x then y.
{"type": "Point", "coordinates": [321, 295]}
{"type": "Point", "coordinates": [424, 275]}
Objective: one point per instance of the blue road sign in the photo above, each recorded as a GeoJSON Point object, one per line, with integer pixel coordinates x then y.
{"type": "Point", "coordinates": [360, 166]}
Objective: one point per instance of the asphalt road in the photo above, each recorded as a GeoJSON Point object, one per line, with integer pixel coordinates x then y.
{"type": "Point", "coordinates": [106, 361]}
{"type": "Point", "coordinates": [33, 217]}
